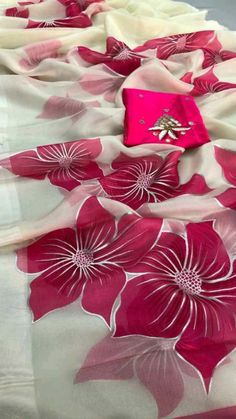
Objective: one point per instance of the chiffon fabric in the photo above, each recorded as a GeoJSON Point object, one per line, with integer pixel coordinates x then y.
{"type": "Point", "coordinates": [117, 271]}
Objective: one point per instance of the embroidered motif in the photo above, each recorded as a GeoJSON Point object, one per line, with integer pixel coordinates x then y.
{"type": "Point", "coordinates": [167, 125]}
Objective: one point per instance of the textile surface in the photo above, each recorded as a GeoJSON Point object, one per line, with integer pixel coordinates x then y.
{"type": "Point", "coordinates": [117, 271]}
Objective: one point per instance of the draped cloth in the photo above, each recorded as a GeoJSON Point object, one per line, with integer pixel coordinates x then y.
{"type": "Point", "coordinates": [117, 264]}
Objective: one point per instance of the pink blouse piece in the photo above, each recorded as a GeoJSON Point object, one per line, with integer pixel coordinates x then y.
{"type": "Point", "coordinates": [153, 117]}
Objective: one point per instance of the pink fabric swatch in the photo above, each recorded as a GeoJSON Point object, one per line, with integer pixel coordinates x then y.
{"type": "Point", "coordinates": [144, 109]}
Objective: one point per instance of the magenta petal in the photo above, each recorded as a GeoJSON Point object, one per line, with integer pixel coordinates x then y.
{"type": "Point", "coordinates": [95, 224]}
{"type": "Point", "coordinates": [152, 307]}
{"type": "Point", "coordinates": [27, 164]}
{"type": "Point", "coordinates": [101, 292]}
{"type": "Point", "coordinates": [160, 373]}
{"type": "Point", "coordinates": [47, 251]}
{"type": "Point", "coordinates": [17, 12]}
{"type": "Point", "coordinates": [207, 252]}
{"type": "Point", "coordinates": [126, 249]}
{"type": "Point", "coordinates": [206, 353]}
{"type": "Point", "coordinates": [46, 297]}
{"type": "Point", "coordinates": [92, 57]}
{"type": "Point", "coordinates": [228, 198]}
{"type": "Point", "coordinates": [227, 160]}
{"type": "Point", "coordinates": [59, 107]}
{"type": "Point", "coordinates": [196, 186]}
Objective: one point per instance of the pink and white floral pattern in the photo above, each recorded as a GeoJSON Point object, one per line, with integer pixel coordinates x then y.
{"type": "Point", "coordinates": [136, 181]}
{"type": "Point", "coordinates": [102, 82]}
{"type": "Point", "coordinates": [88, 261]}
{"type": "Point", "coordinates": [176, 44]}
{"type": "Point", "coordinates": [39, 52]}
{"type": "Point", "coordinates": [66, 164]}
{"type": "Point", "coordinates": [118, 56]}
{"type": "Point", "coordinates": [194, 275]}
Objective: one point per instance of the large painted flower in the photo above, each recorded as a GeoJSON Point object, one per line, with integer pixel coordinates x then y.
{"type": "Point", "coordinates": [88, 261]}
{"type": "Point", "coordinates": [148, 179]}
{"type": "Point", "coordinates": [118, 56]}
{"type": "Point", "coordinates": [176, 44]}
{"type": "Point", "coordinates": [38, 52]}
{"type": "Point", "coordinates": [65, 164]}
{"type": "Point", "coordinates": [209, 83]}
{"type": "Point", "coordinates": [186, 286]}
{"type": "Point", "coordinates": [153, 361]}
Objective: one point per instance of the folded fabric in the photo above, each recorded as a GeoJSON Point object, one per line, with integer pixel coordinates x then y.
{"type": "Point", "coordinates": [153, 117]}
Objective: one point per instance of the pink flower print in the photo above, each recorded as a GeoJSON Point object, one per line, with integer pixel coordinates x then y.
{"type": "Point", "coordinates": [177, 44]}
{"type": "Point", "coordinates": [186, 286]}
{"type": "Point", "coordinates": [105, 83]}
{"type": "Point", "coordinates": [88, 261]}
{"type": "Point", "coordinates": [66, 165]}
{"type": "Point", "coordinates": [209, 83]}
{"type": "Point", "coordinates": [227, 160]}
{"type": "Point", "coordinates": [118, 56]}
{"type": "Point", "coordinates": [75, 7]}
{"type": "Point", "coordinates": [152, 361]}
{"type": "Point", "coordinates": [206, 353]}
{"type": "Point", "coordinates": [226, 412]}
{"type": "Point", "coordinates": [39, 52]}
{"type": "Point", "coordinates": [59, 107]}
{"type": "Point", "coordinates": [136, 181]}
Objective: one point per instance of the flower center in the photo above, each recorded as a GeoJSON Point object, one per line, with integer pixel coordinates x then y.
{"type": "Point", "coordinates": [65, 162]}
{"type": "Point", "coordinates": [217, 59]}
{"type": "Point", "coordinates": [124, 54]}
{"type": "Point", "coordinates": [83, 258]}
{"type": "Point", "coordinates": [189, 281]}
{"type": "Point", "coordinates": [144, 181]}
{"type": "Point", "coordinates": [181, 43]}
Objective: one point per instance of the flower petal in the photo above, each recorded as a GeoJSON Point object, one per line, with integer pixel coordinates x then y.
{"type": "Point", "coordinates": [206, 353]}
{"type": "Point", "coordinates": [152, 306]}
{"type": "Point", "coordinates": [49, 250]}
{"type": "Point", "coordinates": [95, 225]}
{"type": "Point", "coordinates": [101, 292]}
{"type": "Point", "coordinates": [160, 372]}
{"type": "Point", "coordinates": [228, 198]}
{"type": "Point", "coordinates": [128, 248]}
{"type": "Point", "coordinates": [46, 295]}
{"type": "Point", "coordinates": [227, 160]}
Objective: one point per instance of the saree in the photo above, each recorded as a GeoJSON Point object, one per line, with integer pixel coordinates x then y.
{"type": "Point", "coordinates": [117, 271]}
